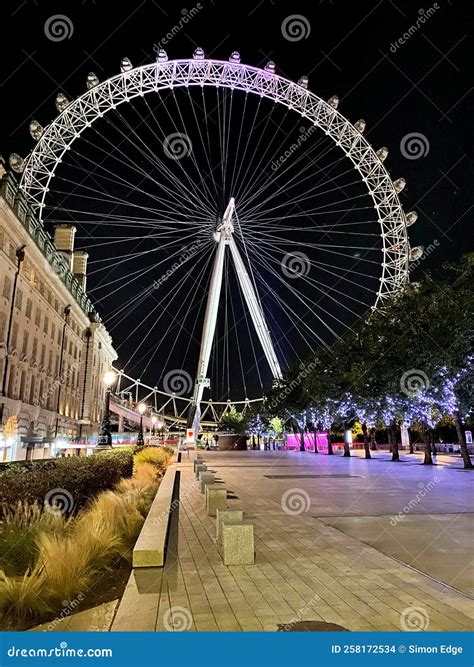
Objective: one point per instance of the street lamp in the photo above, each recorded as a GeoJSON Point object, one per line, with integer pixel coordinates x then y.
{"type": "Point", "coordinates": [105, 437]}
{"type": "Point", "coordinates": [141, 409]}
{"type": "Point", "coordinates": [154, 419]}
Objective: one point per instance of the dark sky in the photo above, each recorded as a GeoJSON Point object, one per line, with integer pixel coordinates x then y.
{"type": "Point", "coordinates": [422, 87]}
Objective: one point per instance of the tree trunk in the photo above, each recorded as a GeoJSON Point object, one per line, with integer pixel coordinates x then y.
{"type": "Point", "coordinates": [301, 436]}
{"type": "Point", "coordinates": [330, 449]}
{"type": "Point", "coordinates": [389, 438]}
{"type": "Point", "coordinates": [432, 441]}
{"type": "Point", "coordinates": [373, 441]}
{"type": "Point", "coordinates": [347, 449]}
{"type": "Point", "coordinates": [366, 441]}
{"type": "Point", "coordinates": [315, 442]}
{"type": "Point", "coordinates": [428, 460]}
{"type": "Point", "coordinates": [393, 432]}
{"type": "Point", "coordinates": [410, 441]}
{"type": "Point", "coordinates": [462, 443]}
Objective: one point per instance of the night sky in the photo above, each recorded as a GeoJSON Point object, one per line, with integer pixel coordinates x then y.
{"type": "Point", "coordinates": [420, 87]}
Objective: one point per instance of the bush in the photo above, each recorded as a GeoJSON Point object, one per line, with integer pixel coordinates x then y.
{"type": "Point", "coordinates": [81, 477]}
{"type": "Point", "coordinates": [157, 456]}
{"type": "Point", "coordinates": [19, 531]}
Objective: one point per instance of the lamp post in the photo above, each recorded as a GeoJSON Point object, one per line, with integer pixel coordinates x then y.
{"type": "Point", "coordinates": [154, 419]}
{"type": "Point", "coordinates": [105, 437]}
{"type": "Point", "coordinates": [159, 426]}
{"type": "Point", "coordinates": [141, 409]}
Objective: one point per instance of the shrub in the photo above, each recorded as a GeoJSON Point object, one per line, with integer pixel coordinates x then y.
{"type": "Point", "coordinates": [71, 553]}
{"type": "Point", "coordinates": [82, 477]}
{"type": "Point", "coordinates": [157, 456]}
{"type": "Point", "coordinates": [19, 531]}
{"type": "Point", "coordinates": [22, 598]}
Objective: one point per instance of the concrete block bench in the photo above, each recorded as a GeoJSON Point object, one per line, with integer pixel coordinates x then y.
{"type": "Point", "coordinates": [205, 478]}
{"type": "Point", "coordinates": [149, 549]}
{"type": "Point", "coordinates": [216, 498]}
{"type": "Point", "coordinates": [200, 468]}
{"type": "Point", "coordinates": [226, 516]}
{"type": "Point", "coordinates": [238, 544]}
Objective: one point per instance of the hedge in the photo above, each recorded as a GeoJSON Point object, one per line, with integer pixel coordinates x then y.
{"type": "Point", "coordinates": [82, 477]}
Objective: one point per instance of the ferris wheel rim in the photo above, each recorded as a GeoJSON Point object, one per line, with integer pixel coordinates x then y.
{"type": "Point", "coordinates": [81, 113]}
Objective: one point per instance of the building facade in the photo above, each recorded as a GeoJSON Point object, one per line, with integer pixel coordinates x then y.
{"type": "Point", "coordinates": [54, 348]}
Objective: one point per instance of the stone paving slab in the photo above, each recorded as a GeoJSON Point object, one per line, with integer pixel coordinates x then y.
{"type": "Point", "coordinates": [304, 569]}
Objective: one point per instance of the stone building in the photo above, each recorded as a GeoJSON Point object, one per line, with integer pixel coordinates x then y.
{"type": "Point", "coordinates": [54, 348]}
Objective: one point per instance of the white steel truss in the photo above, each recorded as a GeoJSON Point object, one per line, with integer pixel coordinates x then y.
{"type": "Point", "coordinates": [224, 236]}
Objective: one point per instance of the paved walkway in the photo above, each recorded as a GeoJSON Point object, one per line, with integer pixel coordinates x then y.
{"type": "Point", "coordinates": [305, 569]}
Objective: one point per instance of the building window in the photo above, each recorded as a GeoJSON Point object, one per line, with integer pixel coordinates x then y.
{"type": "Point", "coordinates": [43, 352]}
{"type": "Point", "coordinates": [3, 325]}
{"type": "Point", "coordinates": [21, 393]}
{"type": "Point", "coordinates": [29, 307]}
{"type": "Point", "coordinates": [19, 299]}
{"type": "Point", "coordinates": [35, 348]}
{"type": "Point", "coordinates": [53, 332]}
{"type": "Point", "coordinates": [14, 335]}
{"type": "Point", "coordinates": [7, 287]}
{"type": "Point", "coordinates": [32, 390]}
{"type": "Point", "coordinates": [38, 317]}
{"type": "Point", "coordinates": [46, 325]}
{"type": "Point", "coordinates": [24, 347]}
